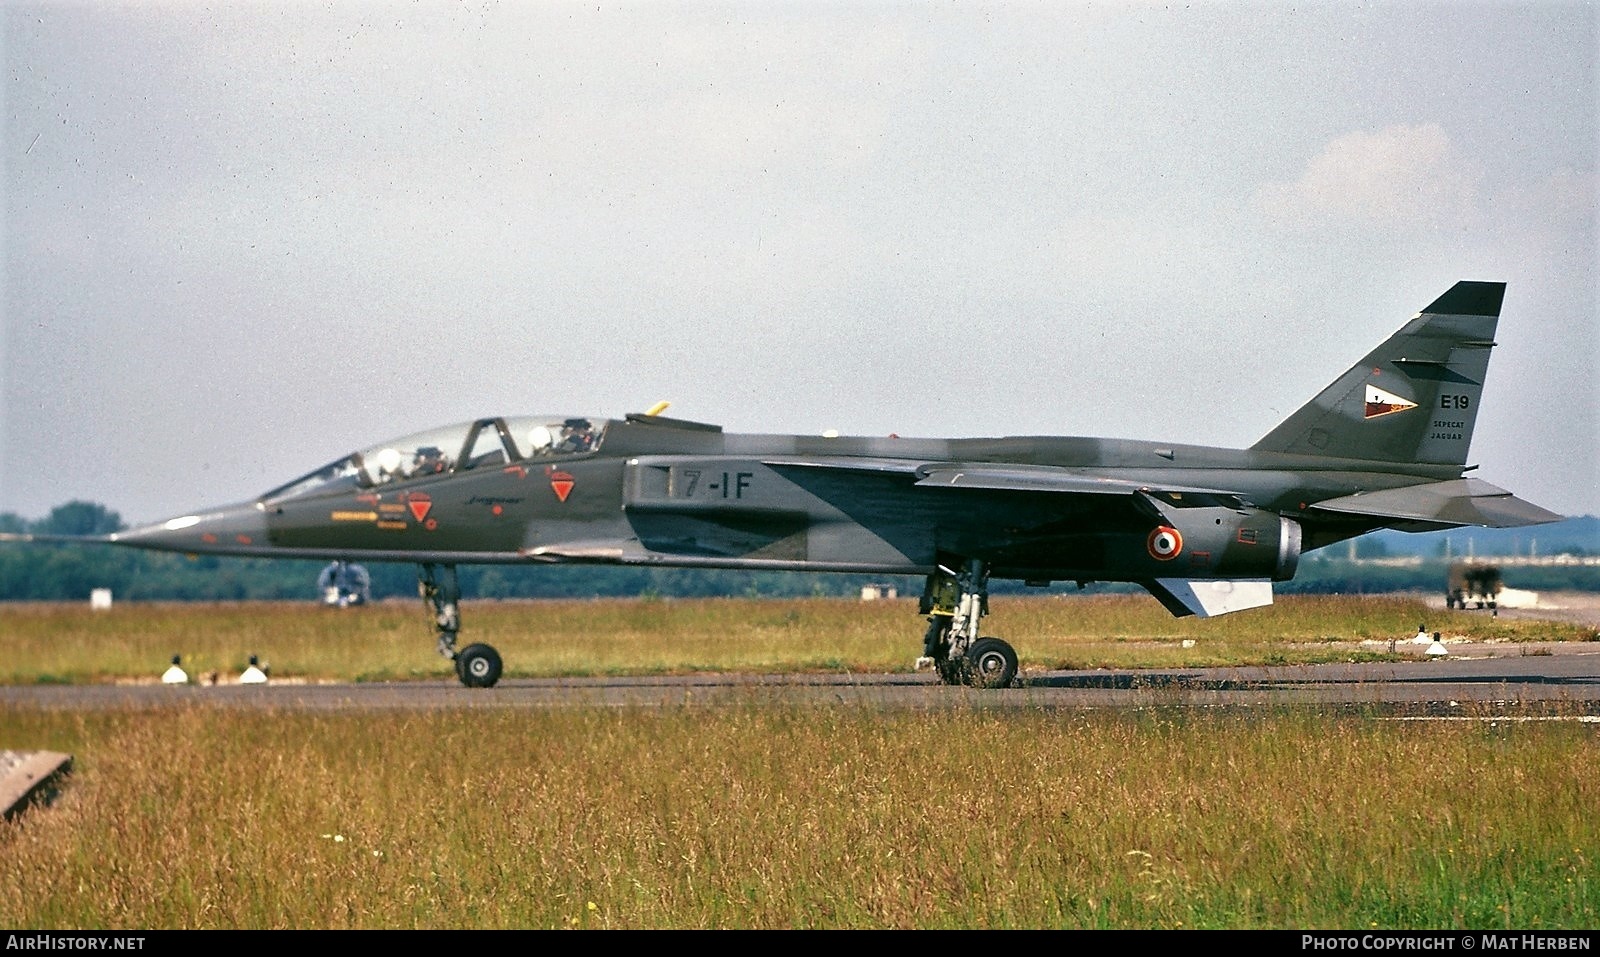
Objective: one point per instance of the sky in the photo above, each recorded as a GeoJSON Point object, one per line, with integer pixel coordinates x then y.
{"type": "Point", "coordinates": [244, 239]}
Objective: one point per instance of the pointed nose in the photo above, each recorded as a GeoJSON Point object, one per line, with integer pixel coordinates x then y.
{"type": "Point", "coordinates": [231, 530]}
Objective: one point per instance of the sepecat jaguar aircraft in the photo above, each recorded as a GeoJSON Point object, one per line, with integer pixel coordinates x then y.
{"type": "Point", "coordinates": [1205, 530]}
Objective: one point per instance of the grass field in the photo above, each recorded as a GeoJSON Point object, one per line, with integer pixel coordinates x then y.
{"type": "Point", "coordinates": [785, 818]}
{"type": "Point", "coordinates": [394, 640]}
{"type": "Point", "coordinates": [764, 816]}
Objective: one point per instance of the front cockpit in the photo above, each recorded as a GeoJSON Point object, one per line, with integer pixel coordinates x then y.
{"type": "Point", "coordinates": [482, 443]}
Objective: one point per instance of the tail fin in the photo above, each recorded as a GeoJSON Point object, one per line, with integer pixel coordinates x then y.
{"type": "Point", "coordinates": [1412, 399]}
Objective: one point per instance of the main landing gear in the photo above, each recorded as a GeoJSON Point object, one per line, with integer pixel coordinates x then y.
{"type": "Point", "coordinates": [955, 603]}
{"type": "Point", "coordinates": [477, 665]}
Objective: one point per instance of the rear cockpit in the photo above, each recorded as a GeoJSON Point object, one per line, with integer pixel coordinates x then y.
{"type": "Point", "coordinates": [483, 443]}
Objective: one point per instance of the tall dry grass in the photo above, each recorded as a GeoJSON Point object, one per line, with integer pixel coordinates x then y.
{"type": "Point", "coordinates": [833, 817]}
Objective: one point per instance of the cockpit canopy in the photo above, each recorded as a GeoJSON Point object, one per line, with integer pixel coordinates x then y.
{"type": "Point", "coordinates": [483, 443]}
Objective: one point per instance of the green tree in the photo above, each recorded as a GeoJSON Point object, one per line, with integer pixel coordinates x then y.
{"type": "Point", "coordinates": [80, 518]}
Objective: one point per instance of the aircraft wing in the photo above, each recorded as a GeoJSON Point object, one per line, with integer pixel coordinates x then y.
{"type": "Point", "coordinates": [851, 464]}
{"type": "Point", "coordinates": [1011, 478]}
{"type": "Point", "coordinates": [1043, 479]}
{"type": "Point", "coordinates": [1444, 505]}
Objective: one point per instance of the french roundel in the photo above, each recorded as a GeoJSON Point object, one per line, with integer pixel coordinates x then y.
{"type": "Point", "coordinates": [1164, 543]}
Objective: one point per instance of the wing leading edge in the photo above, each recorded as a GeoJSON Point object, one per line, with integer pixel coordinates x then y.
{"type": "Point", "coordinates": [1003, 478]}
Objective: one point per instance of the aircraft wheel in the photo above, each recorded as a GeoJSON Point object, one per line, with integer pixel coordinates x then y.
{"type": "Point", "coordinates": [478, 666]}
{"type": "Point", "coordinates": [992, 663]}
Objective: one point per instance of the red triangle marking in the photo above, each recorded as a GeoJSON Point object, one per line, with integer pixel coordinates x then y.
{"type": "Point", "coordinates": [562, 488]}
{"type": "Point", "coordinates": [419, 508]}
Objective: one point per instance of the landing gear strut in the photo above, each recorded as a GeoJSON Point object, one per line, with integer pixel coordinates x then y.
{"type": "Point", "coordinates": [477, 665]}
{"type": "Point", "coordinates": [955, 604]}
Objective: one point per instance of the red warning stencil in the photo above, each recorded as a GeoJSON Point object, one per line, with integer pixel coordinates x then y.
{"type": "Point", "coordinates": [561, 483]}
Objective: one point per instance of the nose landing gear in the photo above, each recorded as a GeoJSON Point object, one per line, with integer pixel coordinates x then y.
{"type": "Point", "coordinates": [477, 665]}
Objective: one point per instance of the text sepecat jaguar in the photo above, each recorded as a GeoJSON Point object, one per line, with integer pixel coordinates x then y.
{"type": "Point", "coordinates": [1205, 530]}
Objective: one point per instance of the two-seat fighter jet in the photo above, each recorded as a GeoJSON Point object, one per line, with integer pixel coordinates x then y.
{"type": "Point", "coordinates": [1205, 530]}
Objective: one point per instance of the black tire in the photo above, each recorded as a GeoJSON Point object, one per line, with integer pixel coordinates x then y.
{"type": "Point", "coordinates": [478, 666]}
{"type": "Point", "coordinates": [992, 663]}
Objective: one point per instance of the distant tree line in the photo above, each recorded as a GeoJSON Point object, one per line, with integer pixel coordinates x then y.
{"type": "Point", "coordinates": [41, 572]}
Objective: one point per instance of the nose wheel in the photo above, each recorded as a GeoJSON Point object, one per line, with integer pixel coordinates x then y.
{"type": "Point", "coordinates": [477, 665]}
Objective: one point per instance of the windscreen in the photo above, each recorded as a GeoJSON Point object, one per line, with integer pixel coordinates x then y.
{"type": "Point", "coordinates": [484, 443]}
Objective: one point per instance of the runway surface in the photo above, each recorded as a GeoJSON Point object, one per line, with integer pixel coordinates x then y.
{"type": "Point", "coordinates": [1471, 680]}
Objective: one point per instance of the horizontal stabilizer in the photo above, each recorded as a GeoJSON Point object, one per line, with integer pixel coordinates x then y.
{"type": "Point", "coordinates": [1210, 597]}
{"type": "Point", "coordinates": [1445, 504]}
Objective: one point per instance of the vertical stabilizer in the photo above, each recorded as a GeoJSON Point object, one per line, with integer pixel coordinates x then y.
{"type": "Point", "coordinates": [1412, 399]}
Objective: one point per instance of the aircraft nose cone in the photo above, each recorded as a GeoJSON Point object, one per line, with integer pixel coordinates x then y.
{"type": "Point", "coordinates": [231, 530]}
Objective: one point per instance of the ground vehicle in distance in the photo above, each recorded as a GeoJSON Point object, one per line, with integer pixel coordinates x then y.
{"type": "Point", "coordinates": [1473, 584]}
